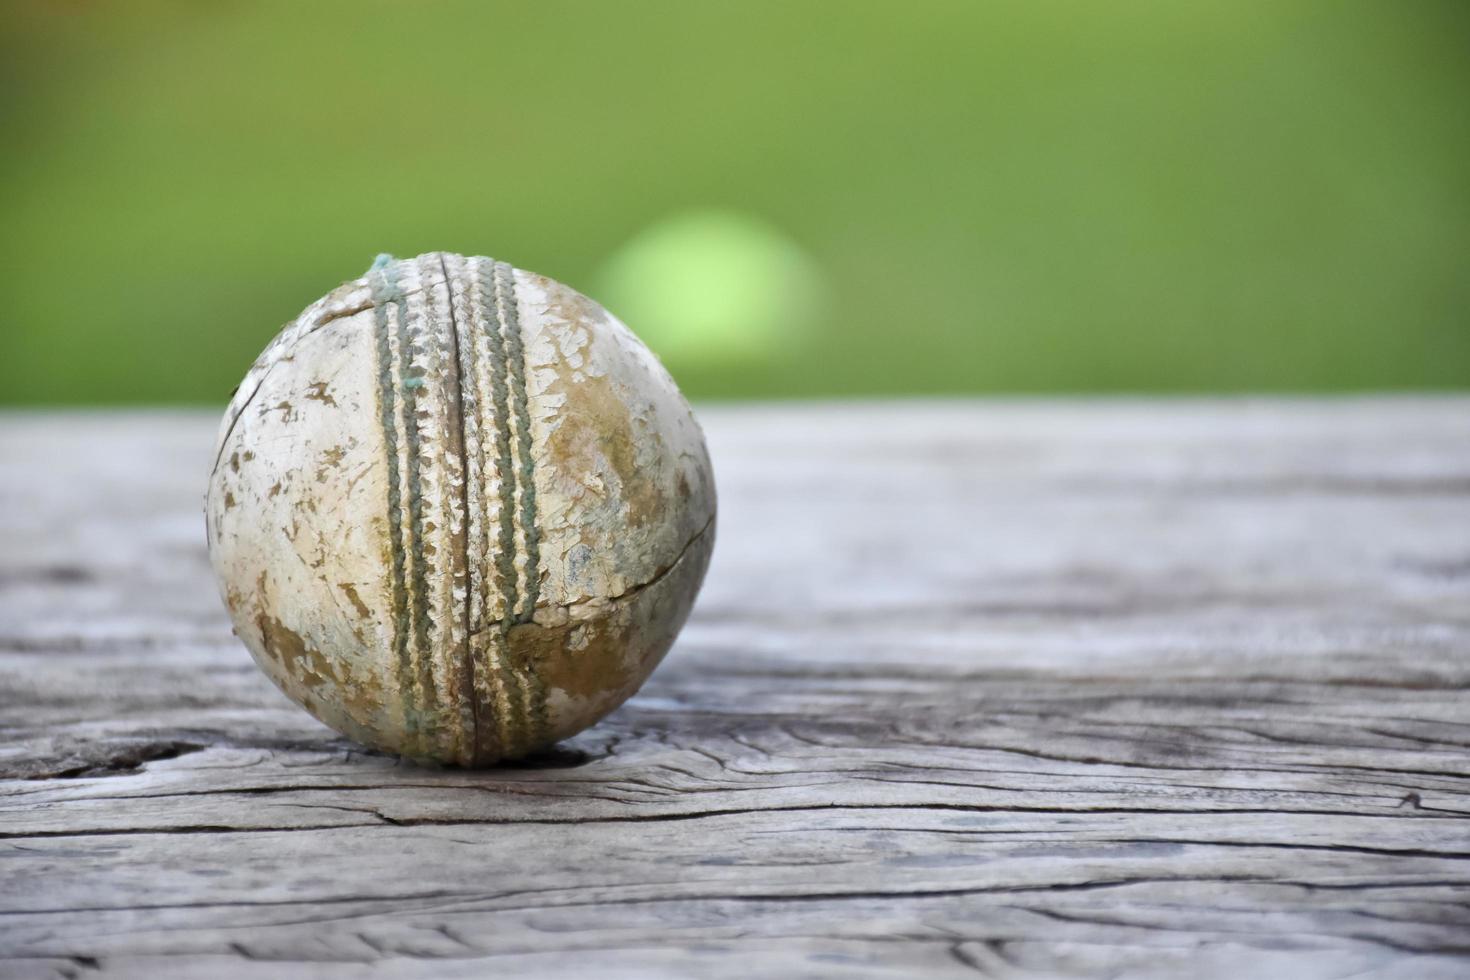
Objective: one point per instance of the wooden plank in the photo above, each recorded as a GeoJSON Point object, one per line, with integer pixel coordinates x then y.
{"type": "Point", "coordinates": [999, 688]}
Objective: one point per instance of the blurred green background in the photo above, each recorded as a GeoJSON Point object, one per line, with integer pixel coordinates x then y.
{"type": "Point", "coordinates": [785, 199]}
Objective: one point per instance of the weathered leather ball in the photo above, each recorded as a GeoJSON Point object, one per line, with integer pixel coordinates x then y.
{"type": "Point", "coordinates": [458, 511]}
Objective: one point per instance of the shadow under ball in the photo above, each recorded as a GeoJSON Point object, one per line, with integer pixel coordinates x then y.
{"type": "Point", "coordinates": [458, 511]}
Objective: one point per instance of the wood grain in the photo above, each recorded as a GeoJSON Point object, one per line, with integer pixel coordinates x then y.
{"type": "Point", "coordinates": [1000, 689]}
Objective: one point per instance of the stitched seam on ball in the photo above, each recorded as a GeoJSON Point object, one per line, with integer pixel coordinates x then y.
{"type": "Point", "coordinates": [473, 379]}
{"type": "Point", "coordinates": [463, 368]}
{"type": "Point", "coordinates": [385, 291]}
{"type": "Point", "coordinates": [492, 578]}
{"type": "Point", "coordinates": [505, 555]}
{"type": "Point", "coordinates": [471, 407]}
{"type": "Point", "coordinates": [412, 384]}
{"type": "Point", "coordinates": [516, 361]}
{"type": "Point", "coordinates": [505, 467]}
{"type": "Point", "coordinates": [535, 703]}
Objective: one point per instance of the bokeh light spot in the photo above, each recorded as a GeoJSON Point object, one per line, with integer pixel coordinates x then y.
{"type": "Point", "coordinates": [712, 287]}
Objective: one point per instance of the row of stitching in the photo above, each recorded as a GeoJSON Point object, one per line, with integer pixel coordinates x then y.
{"type": "Point", "coordinates": [411, 382]}
{"type": "Point", "coordinates": [385, 296]}
{"type": "Point", "coordinates": [528, 671]}
{"type": "Point", "coordinates": [475, 401]}
{"type": "Point", "coordinates": [488, 579]}
{"type": "Point", "coordinates": [506, 688]}
{"type": "Point", "coordinates": [505, 467]}
{"type": "Point", "coordinates": [459, 390]}
{"type": "Point", "coordinates": [525, 477]}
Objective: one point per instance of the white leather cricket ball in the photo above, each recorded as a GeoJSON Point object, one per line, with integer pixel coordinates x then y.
{"type": "Point", "coordinates": [458, 511]}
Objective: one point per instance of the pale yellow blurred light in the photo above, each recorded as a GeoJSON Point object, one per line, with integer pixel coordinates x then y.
{"type": "Point", "coordinates": [711, 287]}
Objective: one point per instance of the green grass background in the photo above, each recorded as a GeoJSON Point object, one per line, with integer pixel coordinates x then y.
{"type": "Point", "coordinates": [1253, 195]}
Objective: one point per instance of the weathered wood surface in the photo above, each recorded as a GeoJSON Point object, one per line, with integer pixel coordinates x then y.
{"type": "Point", "coordinates": [1000, 689]}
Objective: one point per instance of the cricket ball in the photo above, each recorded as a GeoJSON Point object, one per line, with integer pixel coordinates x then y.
{"type": "Point", "coordinates": [458, 511]}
